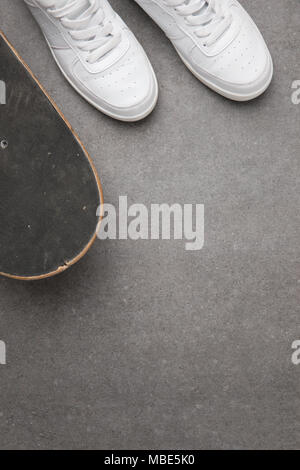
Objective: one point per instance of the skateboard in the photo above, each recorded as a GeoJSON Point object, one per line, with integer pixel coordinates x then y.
{"type": "Point", "coordinates": [49, 187]}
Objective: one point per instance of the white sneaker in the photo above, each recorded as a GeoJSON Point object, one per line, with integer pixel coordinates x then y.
{"type": "Point", "coordinates": [218, 41]}
{"type": "Point", "coordinates": [98, 55]}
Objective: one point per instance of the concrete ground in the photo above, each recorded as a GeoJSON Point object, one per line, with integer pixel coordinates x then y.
{"type": "Point", "coordinates": [143, 344]}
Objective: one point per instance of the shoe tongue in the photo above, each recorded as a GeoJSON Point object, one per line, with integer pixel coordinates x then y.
{"type": "Point", "coordinates": [82, 7]}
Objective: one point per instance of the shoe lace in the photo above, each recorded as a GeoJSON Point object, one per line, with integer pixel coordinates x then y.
{"type": "Point", "coordinates": [87, 25]}
{"type": "Point", "coordinates": [211, 18]}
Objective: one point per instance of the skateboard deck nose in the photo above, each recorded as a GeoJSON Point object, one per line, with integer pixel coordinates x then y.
{"type": "Point", "coordinates": [49, 188]}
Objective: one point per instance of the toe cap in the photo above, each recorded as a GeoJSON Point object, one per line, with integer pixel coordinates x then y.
{"type": "Point", "coordinates": [128, 87]}
{"type": "Point", "coordinates": [245, 60]}
{"type": "Point", "coordinates": [243, 69]}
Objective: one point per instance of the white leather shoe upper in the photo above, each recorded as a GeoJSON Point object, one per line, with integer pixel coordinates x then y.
{"type": "Point", "coordinates": [219, 43]}
{"type": "Point", "coordinates": [98, 55]}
